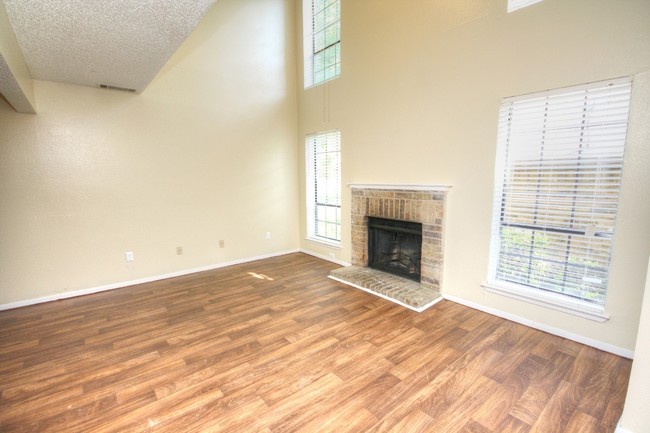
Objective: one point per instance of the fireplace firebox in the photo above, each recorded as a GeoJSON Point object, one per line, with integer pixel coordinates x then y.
{"type": "Point", "coordinates": [395, 246]}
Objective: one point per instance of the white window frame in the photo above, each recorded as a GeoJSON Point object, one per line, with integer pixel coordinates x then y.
{"type": "Point", "coordinates": [514, 5]}
{"type": "Point", "coordinates": [322, 60]}
{"type": "Point", "coordinates": [583, 128]}
{"type": "Point", "coordinates": [323, 187]}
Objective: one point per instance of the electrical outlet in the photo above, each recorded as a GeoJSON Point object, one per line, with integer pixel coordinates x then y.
{"type": "Point", "coordinates": [128, 256]}
{"type": "Point", "coordinates": [179, 251]}
{"type": "Point", "coordinates": [222, 244]}
{"type": "Point", "coordinates": [268, 235]}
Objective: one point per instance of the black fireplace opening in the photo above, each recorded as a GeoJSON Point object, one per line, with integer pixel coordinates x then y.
{"type": "Point", "coordinates": [395, 246]}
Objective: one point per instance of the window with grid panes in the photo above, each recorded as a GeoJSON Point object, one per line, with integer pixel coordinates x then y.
{"type": "Point", "coordinates": [324, 187]}
{"type": "Point", "coordinates": [322, 41]}
{"type": "Point", "coordinates": [558, 177]}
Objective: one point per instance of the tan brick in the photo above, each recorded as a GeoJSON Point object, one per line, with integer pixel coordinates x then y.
{"type": "Point", "coordinates": [438, 196]}
{"type": "Point", "coordinates": [404, 194]}
{"type": "Point", "coordinates": [371, 206]}
{"type": "Point", "coordinates": [427, 212]}
{"type": "Point", "coordinates": [358, 205]}
{"type": "Point", "coordinates": [407, 210]}
{"type": "Point", "coordinates": [416, 210]}
{"type": "Point", "coordinates": [380, 193]}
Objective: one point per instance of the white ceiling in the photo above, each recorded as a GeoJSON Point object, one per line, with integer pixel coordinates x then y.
{"type": "Point", "coordinates": [122, 43]}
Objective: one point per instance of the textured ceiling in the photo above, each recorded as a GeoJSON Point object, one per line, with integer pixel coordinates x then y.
{"type": "Point", "coordinates": [121, 43]}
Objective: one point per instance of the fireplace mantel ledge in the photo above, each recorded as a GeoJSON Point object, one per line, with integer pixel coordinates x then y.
{"type": "Point", "coordinates": [443, 188]}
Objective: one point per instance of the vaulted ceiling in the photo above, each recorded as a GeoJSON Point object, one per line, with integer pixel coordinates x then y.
{"type": "Point", "coordinates": [117, 43]}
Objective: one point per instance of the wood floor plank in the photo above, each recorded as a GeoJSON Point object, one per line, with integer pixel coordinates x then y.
{"type": "Point", "coordinates": [496, 407]}
{"type": "Point", "coordinates": [599, 388]}
{"type": "Point", "coordinates": [275, 346]}
{"type": "Point", "coordinates": [430, 363]}
{"type": "Point", "coordinates": [475, 427]}
{"type": "Point", "coordinates": [512, 425]}
{"type": "Point", "coordinates": [415, 422]}
{"type": "Point", "coordinates": [537, 395]}
{"type": "Point", "coordinates": [461, 383]}
{"type": "Point", "coordinates": [343, 419]}
{"type": "Point", "coordinates": [559, 409]}
{"type": "Point", "coordinates": [580, 422]}
{"type": "Point", "coordinates": [455, 412]}
{"type": "Point", "coordinates": [615, 395]}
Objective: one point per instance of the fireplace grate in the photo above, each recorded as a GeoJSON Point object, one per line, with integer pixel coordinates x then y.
{"type": "Point", "coordinates": [395, 246]}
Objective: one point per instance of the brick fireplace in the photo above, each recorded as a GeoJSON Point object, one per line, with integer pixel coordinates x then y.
{"type": "Point", "coordinates": [422, 204]}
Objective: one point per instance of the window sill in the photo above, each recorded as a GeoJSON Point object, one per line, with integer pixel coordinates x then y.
{"type": "Point", "coordinates": [325, 242]}
{"type": "Point", "coordinates": [320, 83]}
{"type": "Point", "coordinates": [549, 300]}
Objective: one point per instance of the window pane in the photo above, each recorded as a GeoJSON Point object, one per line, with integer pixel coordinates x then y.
{"type": "Point", "coordinates": [319, 61]}
{"type": "Point", "coordinates": [319, 42]}
{"type": "Point", "coordinates": [319, 21]}
{"type": "Point", "coordinates": [330, 56]}
{"type": "Point", "coordinates": [319, 76]}
{"type": "Point", "coordinates": [332, 35]}
{"type": "Point", "coordinates": [332, 13]}
{"type": "Point", "coordinates": [318, 5]}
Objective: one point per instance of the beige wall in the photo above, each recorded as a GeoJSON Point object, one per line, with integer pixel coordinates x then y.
{"type": "Point", "coordinates": [206, 152]}
{"type": "Point", "coordinates": [417, 103]}
{"type": "Point", "coordinates": [636, 417]}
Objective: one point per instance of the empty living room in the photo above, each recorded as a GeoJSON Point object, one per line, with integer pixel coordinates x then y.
{"type": "Point", "coordinates": [325, 216]}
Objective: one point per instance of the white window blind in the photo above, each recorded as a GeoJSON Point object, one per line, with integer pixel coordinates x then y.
{"type": "Point", "coordinates": [324, 186]}
{"type": "Point", "coordinates": [322, 40]}
{"type": "Point", "coordinates": [558, 177]}
{"type": "Point", "coordinates": [513, 5]}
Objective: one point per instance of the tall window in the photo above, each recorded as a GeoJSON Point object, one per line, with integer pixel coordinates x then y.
{"type": "Point", "coordinates": [559, 165]}
{"type": "Point", "coordinates": [322, 40]}
{"type": "Point", "coordinates": [324, 187]}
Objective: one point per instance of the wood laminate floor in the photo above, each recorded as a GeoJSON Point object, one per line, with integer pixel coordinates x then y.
{"type": "Point", "coordinates": [275, 346]}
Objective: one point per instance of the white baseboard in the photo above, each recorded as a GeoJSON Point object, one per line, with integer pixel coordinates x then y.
{"type": "Point", "coordinates": [626, 353]}
{"type": "Point", "coordinates": [620, 429]}
{"type": "Point", "coordinates": [119, 285]}
{"type": "Point", "coordinates": [324, 257]}
{"type": "Point", "coordinates": [542, 327]}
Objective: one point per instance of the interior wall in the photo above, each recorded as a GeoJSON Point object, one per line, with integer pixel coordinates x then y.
{"type": "Point", "coordinates": [206, 153]}
{"type": "Point", "coordinates": [417, 103]}
{"type": "Point", "coordinates": [636, 417]}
